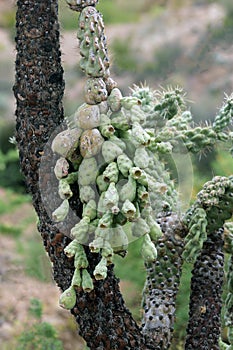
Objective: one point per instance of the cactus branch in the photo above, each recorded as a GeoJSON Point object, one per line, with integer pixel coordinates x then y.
{"type": "Point", "coordinates": [162, 284]}
{"type": "Point", "coordinates": [204, 324]}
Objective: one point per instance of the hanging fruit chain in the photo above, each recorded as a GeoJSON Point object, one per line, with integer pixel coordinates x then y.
{"type": "Point", "coordinates": [108, 148]}
{"type": "Point", "coordinates": [112, 150]}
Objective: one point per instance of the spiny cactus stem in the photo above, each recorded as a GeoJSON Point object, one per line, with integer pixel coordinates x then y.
{"type": "Point", "coordinates": [203, 330]}
{"type": "Point", "coordinates": [163, 278]}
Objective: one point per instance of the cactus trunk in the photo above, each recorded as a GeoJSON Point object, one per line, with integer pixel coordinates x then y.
{"type": "Point", "coordinates": [163, 278]}
{"type": "Point", "coordinates": [203, 329]}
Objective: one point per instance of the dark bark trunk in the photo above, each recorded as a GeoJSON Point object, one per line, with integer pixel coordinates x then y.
{"type": "Point", "coordinates": [163, 279]}
{"type": "Point", "coordinates": [104, 321]}
{"type": "Point", "coordinates": [203, 329]}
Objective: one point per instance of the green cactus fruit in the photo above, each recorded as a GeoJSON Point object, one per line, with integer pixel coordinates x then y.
{"type": "Point", "coordinates": [118, 142]}
{"type": "Point", "coordinates": [71, 178]}
{"type": "Point", "coordinates": [106, 220]}
{"type": "Point", "coordinates": [93, 225]}
{"type": "Point", "coordinates": [66, 142]}
{"type": "Point", "coordinates": [119, 240]}
{"type": "Point", "coordinates": [87, 283]}
{"type": "Point", "coordinates": [148, 250]}
{"type": "Point", "coordinates": [142, 193]}
{"type": "Point", "coordinates": [129, 101]}
{"type": "Point", "coordinates": [140, 135]}
{"type": "Point", "coordinates": [120, 121]}
{"type": "Point", "coordinates": [61, 168]}
{"type": "Point", "coordinates": [64, 189]}
{"type": "Point", "coordinates": [101, 208]}
{"type": "Point", "coordinates": [102, 185]}
{"type": "Point", "coordinates": [111, 172]}
{"type": "Point", "coordinates": [138, 173]}
{"type": "Point", "coordinates": [80, 231]}
{"type": "Point", "coordinates": [104, 119]}
{"type": "Point", "coordinates": [71, 248]}
{"type": "Point", "coordinates": [87, 116]}
{"type": "Point", "coordinates": [64, 185]}
{"type": "Point", "coordinates": [76, 279]}
{"type": "Point", "coordinates": [95, 91]}
{"type": "Point", "coordinates": [88, 171]}
{"type": "Point", "coordinates": [120, 219]}
{"type": "Point", "coordinates": [96, 245]}
{"type": "Point", "coordinates": [140, 227]}
{"type": "Point", "coordinates": [110, 151]}
{"type": "Point", "coordinates": [155, 230]}
{"type": "Point", "coordinates": [137, 114]}
{"type": "Point", "coordinates": [90, 143]}
{"type": "Point", "coordinates": [80, 259]}
{"type": "Point", "coordinates": [103, 107]}
{"type": "Point", "coordinates": [111, 197]}
{"type": "Point", "coordinates": [102, 233]}
{"type": "Point", "coordinates": [124, 164]}
{"type": "Point", "coordinates": [107, 252]}
{"type": "Point", "coordinates": [67, 299]}
{"type": "Point", "coordinates": [86, 193]}
{"type": "Point", "coordinates": [89, 209]}
{"type": "Point", "coordinates": [127, 190]}
{"type": "Point", "coordinates": [141, 158]}
{"type": "Point", "coordinates": [107, 130]}
{"type": "Point", "coordinates": [129, 210]}
{"type": "Point", "coordinates": [100, 272]}
{"type": "Point", "coordinates": [61, 212]}
{"type": "Point", "coordinates": [114, 100]}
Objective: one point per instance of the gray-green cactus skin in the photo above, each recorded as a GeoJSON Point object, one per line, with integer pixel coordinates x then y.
{"type": "Point", "coordinates": [122, 179]}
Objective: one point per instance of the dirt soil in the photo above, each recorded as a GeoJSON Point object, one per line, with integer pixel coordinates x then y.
{"type": "Point", "coordinates": [17, 288]}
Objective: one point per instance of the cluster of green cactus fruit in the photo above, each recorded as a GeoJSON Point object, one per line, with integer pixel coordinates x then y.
{"type": "Point", "coordinates": [113, 151]}
{"type": "Point", "coordinates": [108, 150]}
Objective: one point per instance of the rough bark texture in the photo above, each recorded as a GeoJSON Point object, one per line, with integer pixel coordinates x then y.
{"type": "Point", "coordinates": [104, 321]}
{"type": "Point", "coordinates": [163, 279]}
{"type": "Point", "coordinates": [203, 329]}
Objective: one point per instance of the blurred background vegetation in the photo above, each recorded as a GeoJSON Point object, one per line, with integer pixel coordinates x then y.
{"type": "Point", "coordinates": [160, 42]}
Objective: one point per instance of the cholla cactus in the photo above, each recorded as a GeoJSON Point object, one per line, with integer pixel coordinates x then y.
{"type": "Point", "coordinates": [113, 152]}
